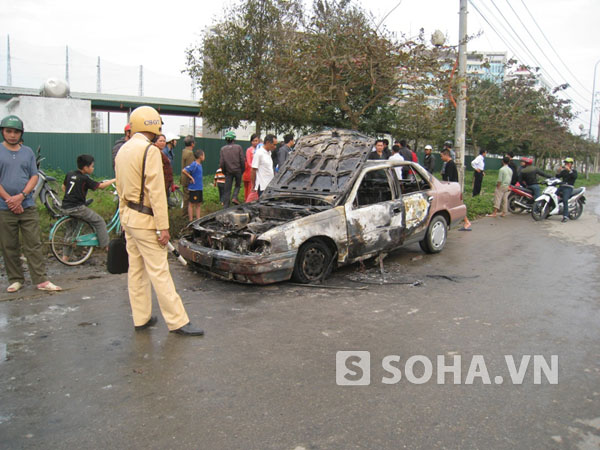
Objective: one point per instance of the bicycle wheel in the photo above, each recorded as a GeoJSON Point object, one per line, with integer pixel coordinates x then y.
{"type": "Point", "coordinates": [176, 199]}
{"type": "Point", "coordinates": [72, 241]}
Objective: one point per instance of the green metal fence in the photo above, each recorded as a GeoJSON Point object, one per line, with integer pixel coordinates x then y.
{"type": "Point", "coordinates": [61, 151]}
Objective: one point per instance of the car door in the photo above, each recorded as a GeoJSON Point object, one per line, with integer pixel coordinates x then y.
{"type": "Point", "coordinates": [374, 214]}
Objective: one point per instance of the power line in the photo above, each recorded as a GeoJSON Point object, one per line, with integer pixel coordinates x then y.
{"type": "Point", "coordinates": [541, 49]}
{"type": "Point", "coordinates": [552, 47]}
{"type": "Point", "coordinates": [516, 53]}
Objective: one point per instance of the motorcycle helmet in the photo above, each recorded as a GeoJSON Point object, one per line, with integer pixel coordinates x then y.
{"type": "Point", "coordinates": [12, 121]}
{"type": "Point", "coordinates": [127, 128]}
{"type": "Point", "coordinates": [527, 161]}
{"type": "Point", "coordinates": [145, 118]}
{"type": "Point", "coordinates": [568, 160]}
{"type": "Point", "coordinates": [230, 136]}
{"type": "Point", "coordinates": [448, 144]}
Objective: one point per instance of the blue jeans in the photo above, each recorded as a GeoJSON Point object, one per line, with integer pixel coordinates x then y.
{"type": "Point", "coordinates": [565, 192]}
{"type": "Point", "coordinates": [536, 190]}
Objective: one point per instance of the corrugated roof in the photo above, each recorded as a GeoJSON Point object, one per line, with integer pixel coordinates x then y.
{"type": "Point", "coordinates": [118, 103]}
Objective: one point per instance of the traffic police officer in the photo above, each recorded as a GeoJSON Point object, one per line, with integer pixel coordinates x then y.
{"type": "Point", "coordinates": [146, 223]}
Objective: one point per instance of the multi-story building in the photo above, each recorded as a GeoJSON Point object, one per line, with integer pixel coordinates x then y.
{"type": "Point", "coordinates": [487, 65]}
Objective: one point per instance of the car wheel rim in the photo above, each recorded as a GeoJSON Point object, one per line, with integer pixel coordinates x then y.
{"type": "Point", "coordinates": [438, 234]}
{"type": "Point", "coordinates": [314, 263]}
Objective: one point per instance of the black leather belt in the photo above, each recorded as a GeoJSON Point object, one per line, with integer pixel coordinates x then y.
{"type": "Point", "coordinates": [140, 208]}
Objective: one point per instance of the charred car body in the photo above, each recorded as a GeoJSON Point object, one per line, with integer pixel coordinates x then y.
{"type": "Point", "coordinates": [327, 206]}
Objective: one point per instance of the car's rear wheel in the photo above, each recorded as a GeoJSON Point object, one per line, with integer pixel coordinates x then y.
{"type": "Point", "coordinates": [313, 262]}
{"type": "Point", "coordinates": [436, 236]}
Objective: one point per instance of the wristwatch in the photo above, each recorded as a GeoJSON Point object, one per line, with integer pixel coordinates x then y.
{"type": "Point", "coordinates": [24, 194]}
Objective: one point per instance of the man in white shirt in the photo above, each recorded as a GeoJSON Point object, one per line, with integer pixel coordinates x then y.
{"type": "Point", "coordinates": [396, 156]}
{"type": "Point", "coordinates": [262, 164]}
{"type": "Point", "coordinates": [478, 164]}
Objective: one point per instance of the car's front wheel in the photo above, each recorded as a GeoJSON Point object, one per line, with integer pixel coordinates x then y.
{"type": "Point", "coordinates": [313, 262]}
{"type": "Point", "coordinates": [436, 236]}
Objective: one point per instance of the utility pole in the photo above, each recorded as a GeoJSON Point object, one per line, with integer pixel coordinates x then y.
{"type": "Point", "coordinates": [67, 65]}
{"type": "Point", "coordinates": [461, 108]}
{"type": "Point", "coordinates": [8, 68]}
{"type": "Point", "coordinates": [98, 78]}
{"type": "Point", "coordinates": [141, 87]}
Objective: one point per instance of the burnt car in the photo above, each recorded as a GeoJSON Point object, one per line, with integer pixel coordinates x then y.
{"type": "Point", "coordinates": [328, 206]}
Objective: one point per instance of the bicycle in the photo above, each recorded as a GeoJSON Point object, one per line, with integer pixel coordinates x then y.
{"type": "Point", "coordinates": [73, 240]}
{"type": "Point", "coordinates": [175, 199]}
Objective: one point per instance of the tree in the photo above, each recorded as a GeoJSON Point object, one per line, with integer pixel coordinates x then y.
{"type": "Point", "coordinates": [235, 67]}
{"type": "Point", "coordinates": [342, 70]}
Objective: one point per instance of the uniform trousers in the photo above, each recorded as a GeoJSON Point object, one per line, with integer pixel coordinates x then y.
{"type": "Point", "coordinates": [148, 266]}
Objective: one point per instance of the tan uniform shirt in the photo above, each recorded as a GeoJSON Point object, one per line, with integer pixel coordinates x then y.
{"type": "Point", "coordinates": [187, 157]}
{"type": "Point", "coordinates": [128, 169]}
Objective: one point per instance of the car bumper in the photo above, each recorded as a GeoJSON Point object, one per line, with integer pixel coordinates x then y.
{"type": "Point", "coordinates": [249, 269]}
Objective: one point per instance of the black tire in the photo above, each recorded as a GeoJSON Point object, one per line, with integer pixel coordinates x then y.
{"type": "Point", "coordinates": [52, 203]}
{"type": "Point", "coordinates": [63, 241]}
{"type": "Point", "coordinates": [540, 210]}
{"type": "Point", "coordinates": [577, 211]}
{"type": "Point", "coordinates": [513, 207]}
{"type": "Point", "coordinates": [436, 235]}
{"type": "Point", "coordinates": [313, 262]}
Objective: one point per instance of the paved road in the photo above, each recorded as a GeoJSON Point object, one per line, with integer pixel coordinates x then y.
{"type": "Point", "coordinates": [73, 374]}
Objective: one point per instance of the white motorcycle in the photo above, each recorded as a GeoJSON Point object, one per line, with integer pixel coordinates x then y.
{"type": "Point", "coordinates": [550, 203]}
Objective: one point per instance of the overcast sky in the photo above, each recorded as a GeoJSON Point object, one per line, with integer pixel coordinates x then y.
{"type": "Point", "coordinates": [155, 34]}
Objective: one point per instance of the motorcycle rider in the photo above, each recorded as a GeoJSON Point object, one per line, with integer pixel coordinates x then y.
{"type": "Point", "coordinates": [528, 176]}
{"type": "Point", "coordinates": [568, 175]}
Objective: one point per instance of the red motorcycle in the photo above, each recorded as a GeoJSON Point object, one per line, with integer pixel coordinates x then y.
{"type": "Point", "coordinates": [520, 199]}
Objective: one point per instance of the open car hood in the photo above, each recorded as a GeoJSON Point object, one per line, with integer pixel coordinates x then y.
{"type": "Point", "coordinates": [323, 165]}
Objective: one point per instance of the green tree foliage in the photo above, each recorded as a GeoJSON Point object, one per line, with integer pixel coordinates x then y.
{"type": "Point", "coordinates": [344, 70]}
{"type": "Point", "coordinates": [235, 69]}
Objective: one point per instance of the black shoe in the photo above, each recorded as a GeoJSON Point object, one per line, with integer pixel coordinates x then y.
{"type": "Point", "coordinates": [189, 330]}
{"type": "Point", "coordinates": [148, 324]}
{"type": "Point", "coordinates": [565, 219]}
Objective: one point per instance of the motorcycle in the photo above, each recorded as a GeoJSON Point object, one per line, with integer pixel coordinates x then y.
{"type": "Point", "coordinates": [520, 199]}
{"type": "Point", "coordinates": [550, 203]}
{"type": "Point", "coordinates": [46, 189]}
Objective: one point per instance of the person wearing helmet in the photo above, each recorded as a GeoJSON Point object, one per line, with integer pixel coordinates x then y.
{"type": "Point", "coordinates": [429, 160]}
{"type": "Point", "coordinates": [568, 175]}
{"type": "Point", "coordinates": [145, 220]}
{"type": "Point", "coordinates": [18, 214]}
{"type": "Point", "coordinates": [120, 143]}
{"type": "Point", "coordinates": [528, 176]}
{"type": "Point", "coordinates": [169, 149]}
{"type": "Point", "coordinates": [233, 162]}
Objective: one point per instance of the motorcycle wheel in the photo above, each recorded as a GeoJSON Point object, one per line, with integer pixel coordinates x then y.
{"type": "Point", "coordinates": [513, 207]}
{"type": "Point", "coordinates": [576, 212]}
{"type": "Point", "coordinates": [540, 210]}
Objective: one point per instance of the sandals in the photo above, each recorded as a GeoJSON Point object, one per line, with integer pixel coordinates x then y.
{"type": "Point", "coordinates": [14, 287]}
{"type": "Point", "coordinates": [48, 286]}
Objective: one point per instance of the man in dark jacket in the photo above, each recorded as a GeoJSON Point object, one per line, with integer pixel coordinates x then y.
{"type": "Point", "coordinates": [120, 143]}
{"type": "Point", "coordinates": [232, 162]}
{"type": "Point", "coordinates": [568, 175]}
{"type": "Point", "coordinates": [513, 168]}
{"type": "Point", "coordinates": [283, 152]}
{"type": "Point", "coordinates": [451, 172]}
{"type": "Point", "coordinates": [429, 160]}
{"type": "Point", "coordinates": [528, 176]}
